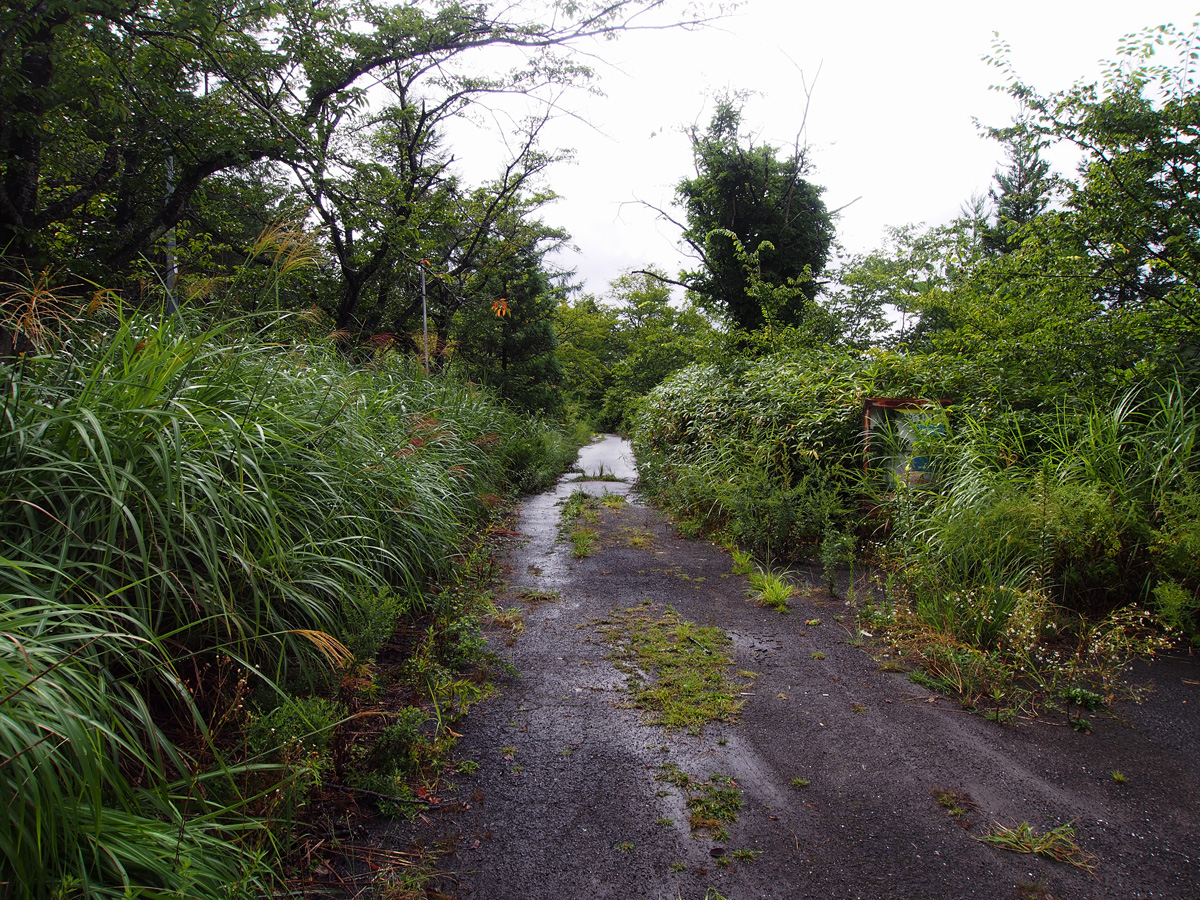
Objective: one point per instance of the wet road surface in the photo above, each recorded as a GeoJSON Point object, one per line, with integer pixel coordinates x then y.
{"type": "Point", "coordinates": [568, 802]}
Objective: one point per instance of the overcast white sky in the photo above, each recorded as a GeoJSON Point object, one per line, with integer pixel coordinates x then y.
{"type": "Point", "coordinates": [889, 128]}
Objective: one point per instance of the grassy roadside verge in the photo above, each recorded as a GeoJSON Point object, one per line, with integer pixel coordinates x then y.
{"type": "Point", "coordinates": [1042, 552]}
{"type": "Point", "coordinates": [208, 541]}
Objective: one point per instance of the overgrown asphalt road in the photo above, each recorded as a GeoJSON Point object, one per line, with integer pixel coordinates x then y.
{"type": "Point", "coordinates": [574, 795]}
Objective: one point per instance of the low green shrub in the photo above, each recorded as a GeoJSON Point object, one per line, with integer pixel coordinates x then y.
{"type": "Point", "coordinates": [762, 451]}
{"type": "Point", "coordinates": [1175, 547]}
{"type": "Point", "coordinates": [397, 749]}
{"type": "Point", "coordinates": [296, 728]}
{"type": "Point", "coordinates": [1178, 608]}
{"type": "Point", "coordinates": [371, 618]}
{"type": "Point", "coordinates": [837, 552]}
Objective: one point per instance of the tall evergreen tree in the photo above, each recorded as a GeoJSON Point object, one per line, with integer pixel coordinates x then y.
{"type": "Point", "coordinates": [1022, 190]}
{"type": "Point", "coordinates": [505, 334]}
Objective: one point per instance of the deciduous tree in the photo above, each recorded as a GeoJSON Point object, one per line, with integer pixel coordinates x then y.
{"type": "Point", "coordinates": [1135, 204]}
{"type": "Point", "coordinates": [114, 115]}
{"type": "Point", "coordinates": [761, 196]}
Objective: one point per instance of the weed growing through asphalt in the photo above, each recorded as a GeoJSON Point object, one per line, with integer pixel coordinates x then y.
{"type": "Point", "coordinates": [769, 587]}
{"type": "Point", "coordinates": [1118, 777]}
{"type": "Point", "coordinates": [677, 670]}
{"type": "Point", "coordinates": [817, 654]}
{"type": "Point", "coordinates": [535, 597]}
{"type": "Point", "coordinates": [573, 508]}
{"type": "Point", "coordinates": [583, 542]}
{"type": "Point", "coordinates": [672, 774]}
{"type": "Point", "coordinates": [511, 620]}
{"type": "Point", "coordinates": [800, 782]}
{"type": "Point", "coordinates": [957, 804]}
{"type": "Point", "coordinates": [603, 476]}
{"type": "Point", "coordinates": [637, 538]}
{"type": "Point", "coordinates": [712, 804]}
{"type": "Point", "coordinates": [664, 822]}
{"type": "Point", "coordinates": [1058, 844]}
{"type": "Point", "coordinates": [743, 562]}
{"type": "Point", "coordinates": [580, 511]}
{"type": "Point", "coordinates": [678, 866]}
{"type": "Point", "coordinates": [746, 855]}
{"type": "Point", "coordinates": [624, 848]}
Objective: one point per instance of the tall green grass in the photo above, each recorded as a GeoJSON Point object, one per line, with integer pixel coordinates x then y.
{"type": "Point", "coordinates": [99, 802]}
{"type": "Point", "coordinates": [169, 498]}
{"type": "Point", "coordinates": [1079, 503]}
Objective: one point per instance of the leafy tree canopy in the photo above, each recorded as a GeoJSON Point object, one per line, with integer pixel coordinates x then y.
{"type": "Point", "coordinates": [1094, 274]}
{"type": "Point", "coordinates": [616, 352]}
{"type": "Point", "coordinates": [115, 116]}
{"type": "Point", "coordinates": [1135, 203]}
{"type": "Point", "coordinates": [748, 198]}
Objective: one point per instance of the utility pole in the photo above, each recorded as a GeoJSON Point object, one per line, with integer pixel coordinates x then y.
{"type": "Point", "coordinates": [425, 318]}
{"type": "Point", "coordinates": [170, 275]}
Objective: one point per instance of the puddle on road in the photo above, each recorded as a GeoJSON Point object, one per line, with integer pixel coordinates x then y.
{"type": "Point", "coordinates": [539, 516]}
{"type": "Point", "coordinates": [610, 455]}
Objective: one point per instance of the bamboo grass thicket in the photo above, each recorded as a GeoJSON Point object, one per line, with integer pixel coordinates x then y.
{"type": "Point", "coordinates": [169, 498]}
{"type": "Point", "coordinates": [69, 734]}
{"type": "Point", "coordinates": [1077, 502]}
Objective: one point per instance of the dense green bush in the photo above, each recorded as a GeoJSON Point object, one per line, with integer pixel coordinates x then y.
{"type": "Point", "coordinates": [752, 449]}
{"type": "Point", "coordinates": [1084, 503]}
{"type": "Point", "coordinates": [1093, 505]}
{"type": "Point", "coordinates": [769, 451]}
